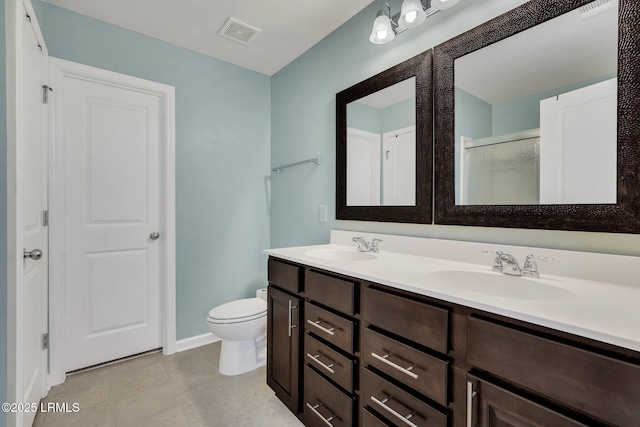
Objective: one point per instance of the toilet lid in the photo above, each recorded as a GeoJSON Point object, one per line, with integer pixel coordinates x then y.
{"type": "Point", "coordinates": [239, 309]}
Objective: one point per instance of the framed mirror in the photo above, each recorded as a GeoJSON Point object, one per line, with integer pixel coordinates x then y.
{"type": "Point", "coordinates": [384, 145]}
{"type": "Point", "coordinates": [537, 119]}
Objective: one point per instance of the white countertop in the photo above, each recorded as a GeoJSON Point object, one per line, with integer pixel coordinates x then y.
{"type": "Point", "coordinates": [607, 311]}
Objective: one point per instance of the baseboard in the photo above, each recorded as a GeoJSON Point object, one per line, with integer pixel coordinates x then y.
{"type": "Point", "coordinates": [194, 342]}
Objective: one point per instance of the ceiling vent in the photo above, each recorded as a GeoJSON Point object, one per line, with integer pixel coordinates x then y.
{"type": "Point", "coordinates": [238, 31]}
{"type": "Point", "coordinates": [595, 8]}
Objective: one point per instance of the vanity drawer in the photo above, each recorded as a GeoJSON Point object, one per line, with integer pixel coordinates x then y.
{"type": "Point", "coordinates": [330, 291]}
{"type": "Point", "coordinates": [418, 370]}
{"type": "Point", "coordinates": [395, 404]}
{"type": "Point", "coordinates": [286, 276]}
{"type": "Point", "coordinates": [595, 384]}
{"type": "Point", "coordinates": [323, 401]}
{"type": "Point", "coordinates": [370, 420]}
{"type": "Point", "coordinates": [417, 321]}
{"type": "Point", "coordinates": [332, 364]}
{"type": "Point", "coordinates": [329, 326]}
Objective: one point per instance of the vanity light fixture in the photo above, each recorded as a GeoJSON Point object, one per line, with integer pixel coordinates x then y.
{"type": "Point", "coordinates": [383, 27]}
{"type": "Point", "coordinates": [412, 14]}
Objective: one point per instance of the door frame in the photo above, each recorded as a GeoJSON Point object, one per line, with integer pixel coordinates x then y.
{"type": "Point", "coordinates": [15, 22]}
{"type": "Point", "coordinates": [58, 69]}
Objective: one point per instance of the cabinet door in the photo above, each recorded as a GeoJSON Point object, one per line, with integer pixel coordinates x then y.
{"type": "Point", "coordinates": [283, 346]}
{"type": "Point", "coordinates": [491, 406]}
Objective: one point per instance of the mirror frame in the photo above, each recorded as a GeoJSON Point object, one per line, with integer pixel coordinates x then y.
{"type": "Point", "coordinates": [420, 67]}
{"type": "Point", "coordinates": [623, 217]}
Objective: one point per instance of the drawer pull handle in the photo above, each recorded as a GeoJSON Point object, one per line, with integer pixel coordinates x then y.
{"type": "Point", "coordinates": [382, 404]}
{"type": "Point", "coordinates": [322, 328]}
{"type": "Point", "coordinates": [385, 359]}
{"type": "Point", "coordinates": [470, 395]}
{"type": "Point", "coordinates": [291, 325]}
{"type": "Point", "coordinates": [316, 359]}
{"type": "Point", "coordinates": [315, 411]}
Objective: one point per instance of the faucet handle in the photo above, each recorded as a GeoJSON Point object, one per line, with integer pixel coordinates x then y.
{"type": "Point", "coordinates": [530, 268]}
{"type": "Point", "coordinates": [497, 263]}
{"type": "Point", "coordinates": [374, 245]}
{"type": "Point", "coordinates": [363, 245]}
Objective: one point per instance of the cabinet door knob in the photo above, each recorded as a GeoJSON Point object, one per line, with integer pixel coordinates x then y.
{"type": "Point", "coordinates": [291, 325]}
{"type": "Point", "coordinates": [470, 395]}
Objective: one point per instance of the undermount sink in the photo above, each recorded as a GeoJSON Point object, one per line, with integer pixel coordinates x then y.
{"type": "Point", "coordinates": [501, 285]}
{"type": "Point", "coordinates": [341, 254]}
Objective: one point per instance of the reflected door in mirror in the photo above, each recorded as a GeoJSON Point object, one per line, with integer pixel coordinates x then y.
{"type": "Point", "coordinates": [381, 147]}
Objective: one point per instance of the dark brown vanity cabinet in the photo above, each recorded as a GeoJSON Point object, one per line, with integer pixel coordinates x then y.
{"type": "Point", "coordinates": [284, 333]}
{"type": "Point", "coordinates": [346, 352]}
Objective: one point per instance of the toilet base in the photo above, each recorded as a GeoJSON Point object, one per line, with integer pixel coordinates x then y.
{"type": "Point", "coordinates": [239, 357]}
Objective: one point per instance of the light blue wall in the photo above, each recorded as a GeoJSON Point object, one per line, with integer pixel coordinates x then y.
{"type": "Point", "coordinates": [399, 116]}
{"type": "Point", "coordinates": [3, 215]}
{"type": "Point", "coordinates": [363, 117]}
{"type": "Point", "coordinates": [222, 155]}
{"type": "Point", "coordinates": [303, 125]}
{"type": "Point", "coordinates": [524, 113]}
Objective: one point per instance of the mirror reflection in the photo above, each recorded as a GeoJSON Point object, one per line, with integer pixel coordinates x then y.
{"type": "Point", "coordinates": [381, 147]}
{"type": "Point", "coordinates": [536, 114]}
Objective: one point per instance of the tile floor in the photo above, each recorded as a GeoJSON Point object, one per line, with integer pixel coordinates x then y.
{"type": "Point", "coordinates": [184, 389]}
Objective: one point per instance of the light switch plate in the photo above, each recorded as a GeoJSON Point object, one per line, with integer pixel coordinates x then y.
{"type": "Point", "coordinates": [323, 213]}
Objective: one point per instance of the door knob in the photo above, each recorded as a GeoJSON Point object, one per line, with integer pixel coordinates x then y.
{"type": "Point", "coordinates": [35, 254]}
{"type": "Point", "coordinates": [154, 235]}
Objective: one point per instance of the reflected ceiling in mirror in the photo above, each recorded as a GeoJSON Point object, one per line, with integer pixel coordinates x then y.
{"type": "Point", "coordinates": [535, 114]}
{"type": "Point", "coordinates": [381, 147]}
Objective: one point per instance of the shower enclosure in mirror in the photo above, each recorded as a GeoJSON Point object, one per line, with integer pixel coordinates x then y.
{"type": "Point", "coordinates": [383, 145]}
{"type": "Point", "coordinates": [536, 118]}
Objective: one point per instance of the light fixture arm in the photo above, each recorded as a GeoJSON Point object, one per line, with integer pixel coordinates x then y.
{"type": "Point", "coordinates": [393, 19]}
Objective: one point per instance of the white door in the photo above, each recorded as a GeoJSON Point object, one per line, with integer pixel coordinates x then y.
{"type": "Point", "coordinates": [399, 167]}
{"type": "Point", "coordinates": [109, 137]}
{"type": "Point", "coordinates": [363, 168]}
{"type": "Point", "coordinates": [578, 145]}
{"type": "Point", "coordinates": [32, 321]}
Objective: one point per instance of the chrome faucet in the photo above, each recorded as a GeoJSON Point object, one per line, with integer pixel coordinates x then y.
{"type": "Point", "coordinates": [508, 264]}
{"type": "Point", "coordinates": [364, 246]}
{"type": "Point", "coordinates": [374, 247]}
{"type": "Point", "coordinates": [530, 268]}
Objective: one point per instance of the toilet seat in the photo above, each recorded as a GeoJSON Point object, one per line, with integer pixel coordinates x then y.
{"type": "Point", "coordinates": [243, 310]}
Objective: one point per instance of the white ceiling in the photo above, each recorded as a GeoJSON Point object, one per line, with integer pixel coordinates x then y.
{"type": "Point", "coordinates": [391, 95]}
{"type": "Point", "coordinates": [289, 27]}
{"type": "Point", "coordinates": [562, 51]}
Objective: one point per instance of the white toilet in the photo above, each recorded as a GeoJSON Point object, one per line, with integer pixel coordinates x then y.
{"type": "Point", "coordinates": [242, 327]}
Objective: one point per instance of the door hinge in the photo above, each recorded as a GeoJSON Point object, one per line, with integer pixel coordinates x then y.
{"type": "Point", "coordinates": [45, 341]}
{"type": "Point", "coordinates": [45, 218]}
{"type": "Point", "coordinates": [45, 93]}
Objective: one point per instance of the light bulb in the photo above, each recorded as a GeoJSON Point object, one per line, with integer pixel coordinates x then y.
{"type": "Point", "coordinates": [382, 32]}
{"type": "Point", "coordinates": [412, 14]}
